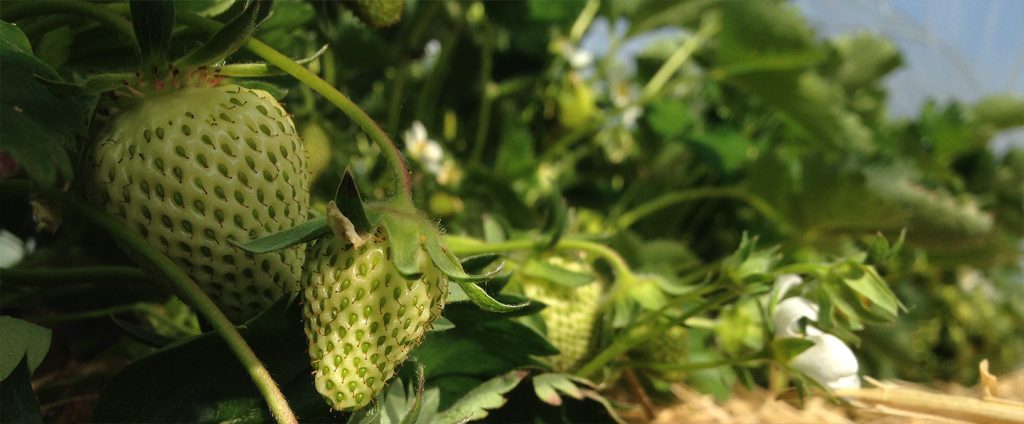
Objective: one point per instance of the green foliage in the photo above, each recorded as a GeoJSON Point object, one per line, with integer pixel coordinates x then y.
{"type": "Point", "coordinates": [696, 168]}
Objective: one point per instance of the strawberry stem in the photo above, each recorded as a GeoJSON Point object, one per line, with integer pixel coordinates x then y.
{"type": "Point", "coordinates": [183, 286]}
{"type": "Point", "coordinates": [629, 218]}
{"type": "Point", "coordinates": [346, 105]}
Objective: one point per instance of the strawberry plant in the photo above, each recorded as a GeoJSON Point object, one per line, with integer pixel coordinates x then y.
{"type": "Point", "coordinates": [410, 211]}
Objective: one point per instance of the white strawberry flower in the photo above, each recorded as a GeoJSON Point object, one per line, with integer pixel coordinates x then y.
{"type": "Point", "coordinates": [830, 361]}
{"type": "Point", "coordinates": [13, 249]}
{"type": "Point", "coordinates": [422, 149]}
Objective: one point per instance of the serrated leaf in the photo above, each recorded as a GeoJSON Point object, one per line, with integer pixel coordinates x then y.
{"type": "Point", "coordinates": [548, 271]}
{"type": "Point", "coordinates": [475, 404]}
{"type": "Point", "coordinates": [547, 386]}
{"type": "Point", "coordinates": [304, 232]}
{"type": "Point", "coordinates": [351, 203]}
{"type": "Point", "coordinates": [153, 21]}
{"type": "Point", "coordinates": [21, 339]}
{"type": "Point", "coordinates": [19, 404]}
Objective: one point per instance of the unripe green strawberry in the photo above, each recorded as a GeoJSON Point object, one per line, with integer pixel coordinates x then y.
{"type": "Point", "coordinates": [670, 347]}
{"type": "Point", "coordinates": [192, 168]}
{"type": "Point", "coordinates": [363, 317]}
{"type": "Point", "coordinates": [379, 13]}
{"type": "Point", "coordinates": [571, 313]}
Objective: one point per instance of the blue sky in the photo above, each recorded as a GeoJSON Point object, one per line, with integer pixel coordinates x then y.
{"type": "Point", "coordinates": [953, 49]}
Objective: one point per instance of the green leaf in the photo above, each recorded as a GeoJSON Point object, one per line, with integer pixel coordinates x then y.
{"type": "Point", "coordinates": [555, 219]}
{"type": "Point", "coordinates": [153, 21]}
{"type": "Point", "coordinates": [865, 58]}
{"type": "Point", "coordinates": [539, 268]}
{"type": "Point", "coordinates": [484, 300]}
{"type": "Point", "coordinates": [1002, 111]}
{"type": "Point", "coordinates": [21, 339]}
{"type": "Point", "coordinates": [40, 120]}
{"type": "Point", "coordinates": [18, 403]}
{"type": "Point", "coordinates": [200, 379]}
{"type": "Point", "coordinates": [727, 149]}
{"type": "Point", "coordinates": [55, 47]}
{"type": "Point", "coordinates": [784, 350]}
{"type": "Point", "coordinates": [668, 117]}
{"type": "Point", "coordinates": [482, 343]}
{"type": "Point", "coordinates": [874, 295]}
{"type": "Point", "coordinates": [475, 404]}
{"type": "Point", "coordinates": [476, 264]}
{"type": "Point", "coordinates": [142, 334]}
{"type": "Point", "coordinates": [229, 38]}
{"type": "Point", "coordinates": [350, 203]}
{"type": "Point", "coordinates": [304, 232]}
{"type": "Point", "coordinates": [547, 386]}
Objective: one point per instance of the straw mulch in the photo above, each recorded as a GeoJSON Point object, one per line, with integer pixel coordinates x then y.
{"type": "Point", "coordinates": [992, 401]}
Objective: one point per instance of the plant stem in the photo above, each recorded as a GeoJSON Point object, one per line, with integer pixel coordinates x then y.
{"type": "Point", "coordinates": [20, 11]}
{"type": "Point", "coordinates": [639, 393]}
{"type": "Point", "coordinates": [183, 286]}
{"type": "Point", "coordinates": [486, 95]}
{"type": "Point", "coordinates": [707, 29]}
{"type": "Point", "coordinates": [42, 277]}
{"type": "Point", "coordinates": [629, 218]}
{"type": "Point", "coordinates": [579, 27]}
{"type": "Point", "coordinates": [641, 333]}
{"type": "Point", "coordinates": [347, 106]}
{"type": "Point", "coordinates": [691, 366]}
{"type": "Point", "coordinates": [468, 246]}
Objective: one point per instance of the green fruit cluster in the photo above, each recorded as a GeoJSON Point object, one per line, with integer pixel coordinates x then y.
{"type": "Point", "coordinates": [363, 316]}
{"type": "Point", "coordinates": [191, 170]}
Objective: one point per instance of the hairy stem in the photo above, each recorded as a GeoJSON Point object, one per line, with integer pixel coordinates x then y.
{"type": "Point", "coordinates": [183, 286]}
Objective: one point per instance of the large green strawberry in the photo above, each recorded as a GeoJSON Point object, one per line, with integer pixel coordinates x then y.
{"type": "Point", "coordinates": [363, 316]}
{"type": "Point", "coordinates": [571, 314]}
{"type": "Point", "coordinates": [193, 168]}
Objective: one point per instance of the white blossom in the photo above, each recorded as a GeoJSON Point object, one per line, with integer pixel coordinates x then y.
{"type": "Point", "coordinates": [13, 249]}
{"type": "Point", "coordinates": [422, 149]}
{"type": "Point", "coordinates": [830, 361]}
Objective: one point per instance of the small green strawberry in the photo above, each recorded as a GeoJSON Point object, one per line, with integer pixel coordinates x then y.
{"type": "Point", "coordinates": [379, 13]}
{"type": "Point", "coordinates": [363, 316]}
{"type": "Point", "coordinates": [571, 314]}
{"type": "Point", "coordinates": [191, 166]}
{"type": "Point", "coordinates": [670, 347]}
